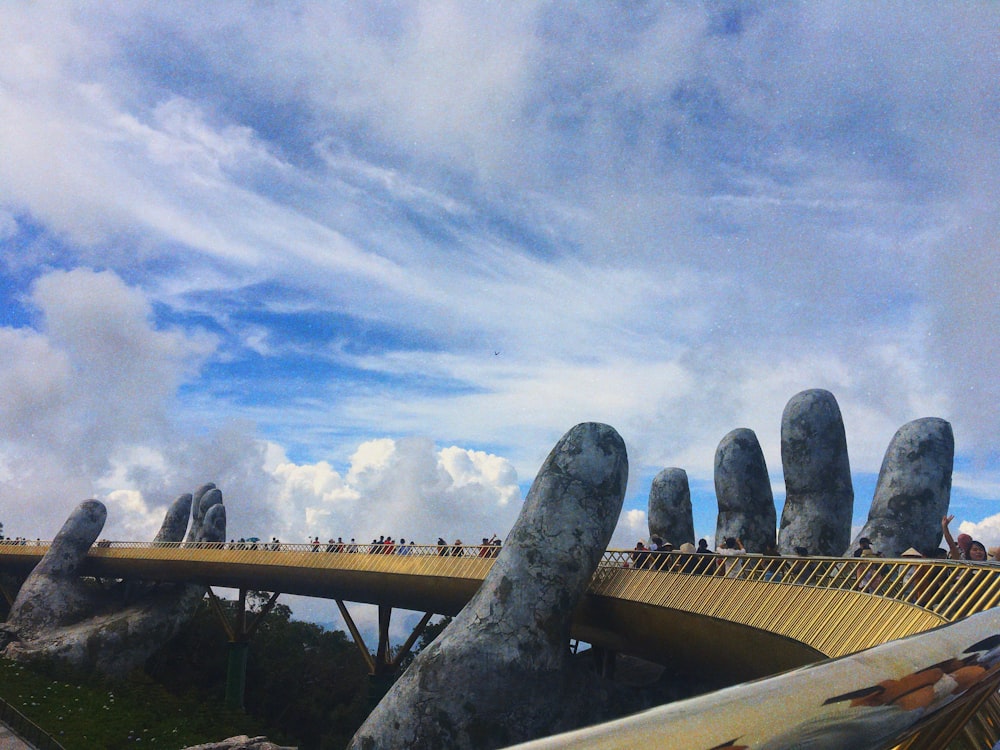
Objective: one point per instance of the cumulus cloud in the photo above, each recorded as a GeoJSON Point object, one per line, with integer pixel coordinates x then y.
{"type": "Point", "coordinates": [93, 379]}
{"type": "Point", "coordinates": [90, 407]}
{"type": "Point", "coordinates": [986, 531]}
{"type": "Point", "coordinates": [632, 525]}
{"type": "Point", "coordinates": [400, 488]}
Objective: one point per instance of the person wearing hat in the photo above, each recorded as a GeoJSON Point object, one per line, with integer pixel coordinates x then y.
{"type": "Point", "coordinates": [917, 578]}
{"type": "Point", "coordinates": [640, 555]}
{"type": "Point", "coordinates": [657, 545]}
{"type": "Point", "coordinates": [864, 543]}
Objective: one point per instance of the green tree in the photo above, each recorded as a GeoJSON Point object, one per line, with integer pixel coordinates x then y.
{"type": "Point", "coordinates": [309, 683]}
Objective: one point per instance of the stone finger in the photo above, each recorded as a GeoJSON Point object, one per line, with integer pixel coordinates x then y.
{"type": "Point", "coordinates": [175, 522]}
{"type": "Point", "coordinates": [51, 595]}
{"type": "Point", "coordinates": [205, 498]}
{"type": "Point", "coordinates": [913, 488]}
{"type": "Point", "coordinates": [670, 513]}
{"type": "Point", "coordinates": [819, 494]}
{"type": "Point", "coordinates": [197, 509]}
{"type": "Point", "coordinates": [497, 674]}
{"type": "Point", "coordinates": [743, 490]}
{"type": "Point", "coordinates": [74, 540]}
{"type": "Point", "coordinates": [213, 526]}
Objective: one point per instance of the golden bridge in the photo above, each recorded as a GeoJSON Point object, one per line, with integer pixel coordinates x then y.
{"type": "Point", "coordinates": [745, 618]}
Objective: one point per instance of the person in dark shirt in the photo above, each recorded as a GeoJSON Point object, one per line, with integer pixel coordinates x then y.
{"type": "Point", "coordinates": [863, 544]}
{"type": "Point", "coordinates": [639, 555]}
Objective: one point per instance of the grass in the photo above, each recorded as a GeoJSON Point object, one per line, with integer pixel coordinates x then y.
{"type": "Point", "coordinates": [83, 713]}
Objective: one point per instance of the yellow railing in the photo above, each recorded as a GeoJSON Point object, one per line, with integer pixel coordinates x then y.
{"type": "Point", "coordinates": [946, 588]}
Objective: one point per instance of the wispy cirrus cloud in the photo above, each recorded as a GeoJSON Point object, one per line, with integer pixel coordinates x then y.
{"type": "Point", "coordinates": [319, 227]}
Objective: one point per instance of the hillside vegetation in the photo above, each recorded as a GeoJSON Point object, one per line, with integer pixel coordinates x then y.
{"type": "Point", "coordinates": [305, 686]}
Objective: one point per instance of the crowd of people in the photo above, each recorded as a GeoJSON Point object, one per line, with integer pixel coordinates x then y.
{"type": "Point", "coordinates": [729, 559]}
{"type": "Point", "coordinates": [962, 547]}
{"type": "Point", "coordinates": [383, 545]}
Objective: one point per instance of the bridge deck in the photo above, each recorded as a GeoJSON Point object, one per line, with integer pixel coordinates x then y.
{"type": "Point", "coordinates": [763, 616]}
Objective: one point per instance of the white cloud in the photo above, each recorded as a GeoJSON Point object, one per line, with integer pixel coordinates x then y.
{"type": "Point", "coordinates": [95, 382]}
{"type": "Point", "coordinates": [402, 488]}
{"type": "Point", "coordinates": [91, 395]}
{"type": "Point", "coordinates": [980, 484]}
{"type": "Point", "coordinates": [669, 230]}
{"type": "Point", "coordinates": [134, 517]}
{"type": "Point", "coordinates": [632, 526]}
{"type": "Point", "coordinates": [986, 531]}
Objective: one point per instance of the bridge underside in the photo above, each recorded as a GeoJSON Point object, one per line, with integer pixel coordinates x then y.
{"type": "Point", "coordinates": [718, 651]}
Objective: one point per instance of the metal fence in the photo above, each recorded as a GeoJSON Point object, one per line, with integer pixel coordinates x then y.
{"type": "Point", "coordinates": [947, 588]}
{"type": "Point", "coordinates": [951, 589]}
{"type": "Point", "coordinates": [26, 729]}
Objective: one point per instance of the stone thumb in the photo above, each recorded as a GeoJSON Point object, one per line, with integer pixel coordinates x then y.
{"type": "Point", "coordinates": [495, 675]}
{"type": "Point", "coordinates": [71, 544]}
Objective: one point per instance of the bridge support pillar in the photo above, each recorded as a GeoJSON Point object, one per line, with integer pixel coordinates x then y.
{"type": "Point", "coordinates": [236, 674]}
{"type": "Point", "coordinates": [384, 662]}
{"type": "Point", "coordinates": [239, 633]}
{"type": "Point", "coordinates": [9, 589]}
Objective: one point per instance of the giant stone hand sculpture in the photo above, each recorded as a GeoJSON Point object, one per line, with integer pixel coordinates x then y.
{"type": "Point", "coordinates": [500, 672]}
{"type": "Point", "coordinates": [59, 616]}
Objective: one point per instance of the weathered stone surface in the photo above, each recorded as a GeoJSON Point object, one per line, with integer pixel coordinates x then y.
{"type": "Point", "coordinates": [819, 495]}
{"type": "Point", "coordinates": [913, 489]}
{"type": "Point", "coordinates": [499, 673]}
{"type": "Point", "coordinates": [743, 491]}
{"type": "Point", "coordinates": [242, 742]}
{"type": "Point", "coordinates": [58, 616]}
{"type": "Point", "coordinates": [51, 596]}
{"type": "Point", "coordinates": [670, 516]}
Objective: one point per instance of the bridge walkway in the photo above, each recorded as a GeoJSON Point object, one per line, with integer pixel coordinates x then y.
{"type": "Point", "coordinates": [673, 608]}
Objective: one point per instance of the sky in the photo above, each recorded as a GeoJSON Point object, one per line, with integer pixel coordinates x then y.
{"type": "Point", "coordinates": [362, 264]}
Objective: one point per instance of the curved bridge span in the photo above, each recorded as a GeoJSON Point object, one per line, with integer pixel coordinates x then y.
{"type": "Point", "coordinates": [766, 615]}
{"type": "Point", "coordinates": [756, 618]}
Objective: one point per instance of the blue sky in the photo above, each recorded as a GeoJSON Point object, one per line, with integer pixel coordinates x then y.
{"type": "Point", "coordinates": [363, 264]}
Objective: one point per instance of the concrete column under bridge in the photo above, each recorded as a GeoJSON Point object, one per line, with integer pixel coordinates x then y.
{"type": "Point", "coordinates": [239, 633]}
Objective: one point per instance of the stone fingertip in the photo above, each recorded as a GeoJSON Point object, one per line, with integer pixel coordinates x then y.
{"type": "Point", "coordinates": [214, 526]}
